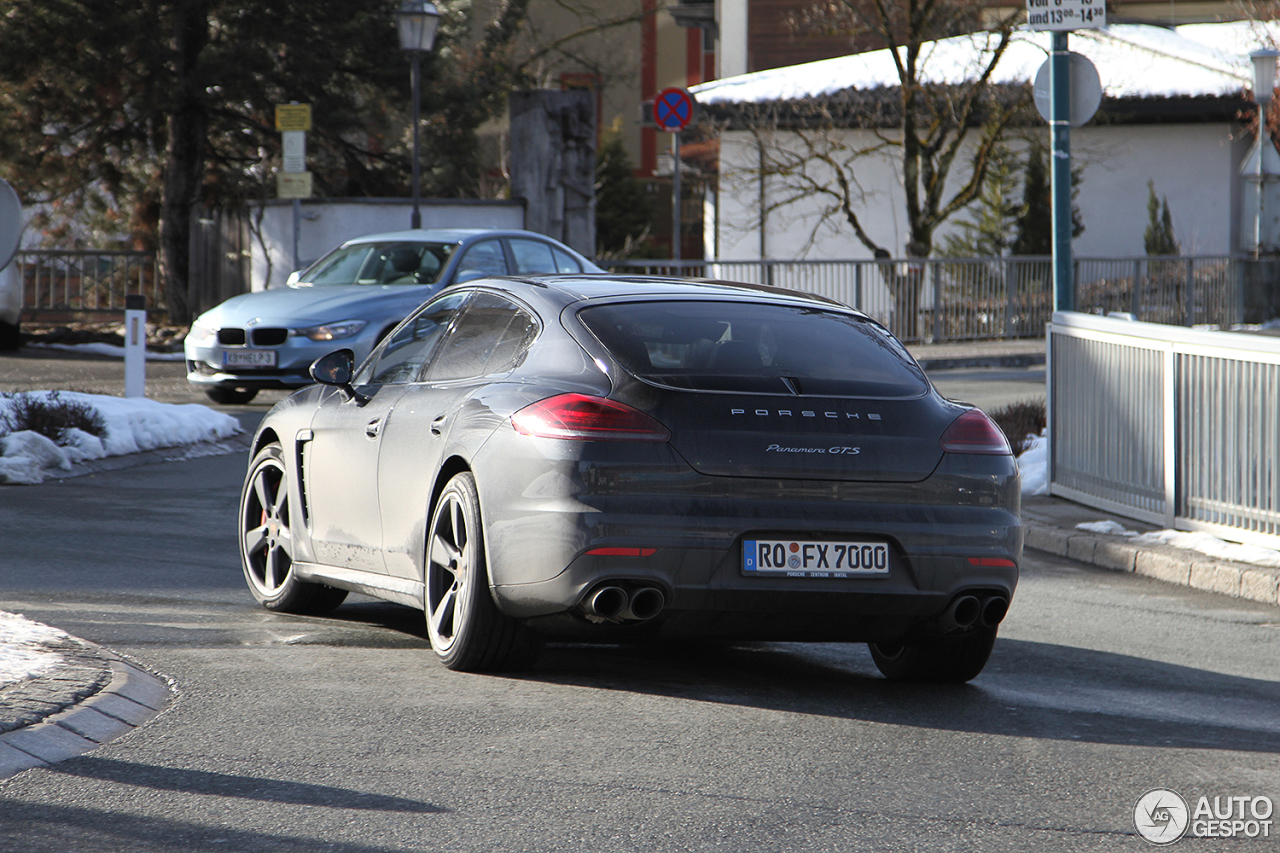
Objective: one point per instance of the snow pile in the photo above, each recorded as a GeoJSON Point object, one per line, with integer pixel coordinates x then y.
{"type": "Point", "coordinates": [132, 424]}
{"type": "Point", "coordinates": [23, 648]}
{"type": "Point", "coordinates": [1033, 465]}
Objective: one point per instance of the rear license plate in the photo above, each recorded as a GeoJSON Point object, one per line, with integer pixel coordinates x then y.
{"type": "Point", "coordinates": [801, 558]}
{"type": "Point", "coordinates": [249, 358]}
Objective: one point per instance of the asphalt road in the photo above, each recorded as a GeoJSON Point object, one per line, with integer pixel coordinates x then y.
{"type": "Point", "coordinates": [343, 733]}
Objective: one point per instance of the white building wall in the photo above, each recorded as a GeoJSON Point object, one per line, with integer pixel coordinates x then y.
{"type": "Point", "coordinates": [1195, 166]}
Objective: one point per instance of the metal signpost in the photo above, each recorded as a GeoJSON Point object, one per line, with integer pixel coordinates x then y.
{"type": "Point", "coordinates": [1061, 16]}
{"type": "Point", "coordinates": [673, 110]}
{"type": "Point", "coordinates": [293, 181]}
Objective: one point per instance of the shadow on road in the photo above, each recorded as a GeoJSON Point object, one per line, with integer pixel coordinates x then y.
{"type": "Point", "coordinates": [241, 787]}
{"type": "Point", "coordinates": [1032, 690]}
{"type": "Point", "coordinates": [1029, 689]}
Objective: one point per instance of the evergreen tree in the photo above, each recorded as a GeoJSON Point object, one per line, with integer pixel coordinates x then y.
{"type": "Point", "coordinates": [1035, 226]}
{"type": "Point", "coordinates": [135, 111]}
{"type": "Point", "coordinates": [624, 211]}
{"type": "Point", "coordinates": [1159, 239]}
{"type": "Point", "coordinates": [987, 232]}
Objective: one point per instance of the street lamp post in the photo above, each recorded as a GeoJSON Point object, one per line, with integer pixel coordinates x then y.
{"type": "Point", "coordinates": [416, 21]}
{"type": "Point", "coordinates": [1264, 82]}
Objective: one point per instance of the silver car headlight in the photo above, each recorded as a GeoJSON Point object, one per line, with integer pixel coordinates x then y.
{"type": "Point", "coordinates": [332, 331]}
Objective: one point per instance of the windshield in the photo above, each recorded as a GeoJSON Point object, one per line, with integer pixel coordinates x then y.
{"type": "Point", "coordinates": [380, 263]}
{"type": "Point", "coordinates": [755, 347]}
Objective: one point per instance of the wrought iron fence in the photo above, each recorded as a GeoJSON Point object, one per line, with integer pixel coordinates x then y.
{"type": "Point", "coordinates": [1176, 427]}
{"type": "Point", "coordinates": [57, 281]}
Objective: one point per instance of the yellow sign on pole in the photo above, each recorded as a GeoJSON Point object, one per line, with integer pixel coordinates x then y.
{"type": "Point", "coordinates": [293, 117]}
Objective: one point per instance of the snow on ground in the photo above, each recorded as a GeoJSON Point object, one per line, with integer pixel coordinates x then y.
{"type": "Point", "coordinates": [133, 424]}
{"type": "Point", "coordinates": [1191, 541]}
{"type": "Point", "coordinates": [24, 651]}
{"type": "Point", "coordinates": [108, 349]}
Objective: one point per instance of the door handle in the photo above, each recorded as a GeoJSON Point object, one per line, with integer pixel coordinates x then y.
{"type": "Point", "coordinates": [372, 428]}
{"type": "Point", "coordinates": [438, 424]}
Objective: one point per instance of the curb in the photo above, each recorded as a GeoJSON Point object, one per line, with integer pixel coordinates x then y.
{"type": "Point", "coordinates": [1161, 562]}
{"type": "Point", "coordinates": [132, 697]}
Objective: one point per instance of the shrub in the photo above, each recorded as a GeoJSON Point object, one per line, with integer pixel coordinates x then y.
{"type": "Point", "coordinates": [49, 415]}
{"type": "Point", "coordinates": [1018, 421]}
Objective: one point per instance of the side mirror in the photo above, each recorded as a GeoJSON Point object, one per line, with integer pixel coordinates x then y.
{"type": "Point", "coordinates": [336, 369]}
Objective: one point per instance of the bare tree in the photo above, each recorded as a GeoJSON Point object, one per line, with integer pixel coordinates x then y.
{"type": "Point", "coordinates": [943, 137]}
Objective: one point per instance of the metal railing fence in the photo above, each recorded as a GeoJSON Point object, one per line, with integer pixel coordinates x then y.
{"type": "Point", "coordinates": [1172, 426]}
{"type": "Point", "coordinates": [65, 281]}
{"type": "Point", "coordinates": [951, 299]}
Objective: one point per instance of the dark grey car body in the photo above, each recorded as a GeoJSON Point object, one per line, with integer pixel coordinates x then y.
{"type": "Point", "coordinates": [364, 467]}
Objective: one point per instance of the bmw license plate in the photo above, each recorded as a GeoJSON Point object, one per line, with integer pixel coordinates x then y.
{"type": "Point", "coordinates": [249, 358]}
{"type": "Point", "coordinates": [803, 558]}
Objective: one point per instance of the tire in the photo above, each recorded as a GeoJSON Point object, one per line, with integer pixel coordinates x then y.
{"type": "Point", "coordinates": [231, 396]}
{"type": "Point", "coordinates": [944, 661]}
{"type": "Point", "coordinates": [467, 631]}
{"type": "Point", "coordinates": [10, 336]}
{"type": "Point", "coordinates": [266, 542]}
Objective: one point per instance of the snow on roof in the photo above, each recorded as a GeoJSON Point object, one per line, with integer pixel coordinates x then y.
{"type": "Point", "coordinates": [1133, 61]}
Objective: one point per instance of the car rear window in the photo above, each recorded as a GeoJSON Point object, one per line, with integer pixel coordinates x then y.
{"type": "Point", "coordinates": [755, 347]}
{"type": "Point", "coordinates": [381, 263]}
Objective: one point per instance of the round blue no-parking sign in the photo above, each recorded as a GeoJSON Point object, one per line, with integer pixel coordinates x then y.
{"type": "Point", "coordinates": [673, 109]}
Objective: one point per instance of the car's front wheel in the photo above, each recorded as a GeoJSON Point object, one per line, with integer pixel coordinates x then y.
{"type": "Point", "coordinates": [467, 630]}
{"type": "Point", "coordinates": [952, 660]}
{"type": "Point", "coordinates": [231, 396]}
{"type": "Point", "coordinates": [266, 542]}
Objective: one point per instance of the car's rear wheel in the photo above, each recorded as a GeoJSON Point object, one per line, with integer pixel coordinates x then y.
{"type": "Point", "coordinates": [953, 660]}
{"type": "Point", "coordinates": [266, 542]}
{"type": "Point", "coordinates": [231, 396]}
{"type": "Point", "coordinates": [467, 630]}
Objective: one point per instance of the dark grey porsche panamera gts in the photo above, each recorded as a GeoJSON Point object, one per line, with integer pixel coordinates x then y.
{"type": "Point", "coordinates": [614, 458]}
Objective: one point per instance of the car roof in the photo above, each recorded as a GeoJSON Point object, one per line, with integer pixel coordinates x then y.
{"type": "Point", "coordinates": [567, 289]}
{"type": "Point", "coordinates": [442, 235]}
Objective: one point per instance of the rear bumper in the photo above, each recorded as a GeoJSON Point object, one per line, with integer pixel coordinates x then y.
{"type": "Point", "coordinates": [958, 531]}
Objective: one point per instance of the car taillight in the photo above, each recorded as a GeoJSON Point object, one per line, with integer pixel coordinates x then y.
{"type": "Point", "coordinates": [974, 432]}
{"type": "Point", "coordinates": [578, 416]}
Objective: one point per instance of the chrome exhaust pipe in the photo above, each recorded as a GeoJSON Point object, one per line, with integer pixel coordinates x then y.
{"type": "Point", "coordinates": [607, 602]}
{"type": "Point", "coordinates": [994, 610]}
{"type": "Point", "coordinates": [645, 603]}
{"type": "Point", "coordinates": [962, 613]}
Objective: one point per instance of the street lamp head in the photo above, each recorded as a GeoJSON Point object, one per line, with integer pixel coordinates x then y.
{"type": "Point", "coordinates": [1264, 74]}
{"type": "Point", "coordinates": [417, 21]}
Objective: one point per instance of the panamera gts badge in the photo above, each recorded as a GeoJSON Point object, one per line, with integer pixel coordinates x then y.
{"type": "Point", "coordinates": [831, 451]}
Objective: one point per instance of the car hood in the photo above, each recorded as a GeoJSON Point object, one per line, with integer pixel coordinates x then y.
{"type": "Point", "coordinates": [303, 306]}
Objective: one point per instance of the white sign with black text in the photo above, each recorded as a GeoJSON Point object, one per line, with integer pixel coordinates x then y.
{"type": "Point", "coordinates": [1066, 14]}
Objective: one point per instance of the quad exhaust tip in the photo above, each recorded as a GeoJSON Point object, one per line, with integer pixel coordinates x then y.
{"type": "Point", "coordinates": [994, 610]}
{"type": "Point", "coordinates": [613, 603]}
